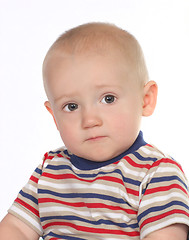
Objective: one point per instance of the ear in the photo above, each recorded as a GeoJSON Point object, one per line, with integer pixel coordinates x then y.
{"type": "Point", "coordinates": [149, 98]}
{"type": "Point", "coordinates": [48, 107]}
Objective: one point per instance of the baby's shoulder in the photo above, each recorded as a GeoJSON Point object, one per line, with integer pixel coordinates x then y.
{"type": "Point", "coordinates": [157, 158]}
{"type": "Point", "coordinates": [151, 153]}
{"type": "Point", "coordinates": [61, 152]}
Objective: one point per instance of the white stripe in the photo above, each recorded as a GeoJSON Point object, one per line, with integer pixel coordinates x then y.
{"type": "Point", "coordinates": [174, 195]}
{"type": "Point", "coordinates": [112, 215]}
{"type": "Point", "coordinates": [163, 225]}
{"type": "Point", "coordinates": [107, 238]}
{"type": "Point", "coordinates": [72, 186]}
{"type": "Point", "coordinates": [132, 172]}
{"type": "Point", "coordinates": [71, 211]}
{"type": "Point", "coordinates": [149, 152]}
{"type": "Point", "coordinates": [86, 235]}
{"type": "Point", "coordinates": [47, 210]}
{"type": "Point", "coordinates": [62, 230]}
{"type": "Point", "coordinates": [31, 188]}
{"type": "Point", "coordinates": [171, 170]}
{"type": "Point", "coordinates": [60, 160]}
{"type": "Point", "coordinates": [24, 215]}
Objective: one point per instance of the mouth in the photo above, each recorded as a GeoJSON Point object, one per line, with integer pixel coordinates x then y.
{"type": "Point", "coordinates": [97, 138]}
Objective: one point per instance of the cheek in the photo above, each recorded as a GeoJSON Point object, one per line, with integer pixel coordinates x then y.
{"type": "Point", "coordinates": [125, 123]}
{"type": "Point", "coordinates": [69, 133]}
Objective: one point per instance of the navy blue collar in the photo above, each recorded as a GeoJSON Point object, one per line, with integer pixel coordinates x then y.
{"type": "Point", "coordinates": [85, 164]}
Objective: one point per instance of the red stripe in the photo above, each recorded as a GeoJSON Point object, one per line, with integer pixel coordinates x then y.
{"type": "Point", "coordinates": [46, 156]}
{"type": "Point", "coordinates": [34, 179]}
{"type": "Point", "coordinates": [50, 200]}
{"type": "Point", "coordinates": [165, 188]}
{"type": "Point", "coordinates": [62, 156]}
{"type": "Point", "coordinates": [159, 217]}
{"type": "Point", "coordinates": [134, 164]}
{"type": "Point", "coordinates": [92, 230]}
{"type": "Point", "coordinates": [166, 160]}
{"type": "Point", "coordinates": [149, 145]}
{"type": "Point", "coordinates": [72, 176]}
{"type": "Point", "coordinates": [26, 205]}
{"type": "Point", "coordinates": [88, 205]}
{"type": "Point", "coordinates": [155, 164]}
{"type": "Point", "coordinates": [133, 192]}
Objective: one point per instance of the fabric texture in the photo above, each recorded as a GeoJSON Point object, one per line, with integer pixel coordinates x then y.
{"type": "Point", "coordinates": [127, 197]}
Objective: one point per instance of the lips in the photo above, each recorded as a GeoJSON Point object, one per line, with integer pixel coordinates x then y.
{"type": "Point", "coordinates": [97, 138]}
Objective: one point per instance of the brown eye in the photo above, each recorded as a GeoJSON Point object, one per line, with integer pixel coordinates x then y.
{"type": "Point", "coordinates": [108, 99]}
{"type": "Point", "coordinates": [70, 107]}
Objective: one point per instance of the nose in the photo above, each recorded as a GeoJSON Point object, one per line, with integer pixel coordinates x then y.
{"type": "Point", "coordinates": [91, 118]}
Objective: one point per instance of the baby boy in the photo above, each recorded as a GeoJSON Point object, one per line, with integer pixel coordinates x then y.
{"type": "Point", "coordinates": [107, 182]}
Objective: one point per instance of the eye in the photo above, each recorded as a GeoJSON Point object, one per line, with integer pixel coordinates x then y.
{"type": "Point", "coordinates": [108, 99]}
{"type": "Point", "coordinates": [70, 107]}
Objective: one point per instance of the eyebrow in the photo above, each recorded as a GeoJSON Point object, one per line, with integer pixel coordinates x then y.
{"type": "Point", "coordinates": [75, 93]}
{"type": "Point", "coordinates": [105, 86]}
{"type": "Point", "coordinates": [65, 96]}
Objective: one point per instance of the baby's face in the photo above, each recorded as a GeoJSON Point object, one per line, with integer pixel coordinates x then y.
{"type": "Point", "coordinates": [96, 105]}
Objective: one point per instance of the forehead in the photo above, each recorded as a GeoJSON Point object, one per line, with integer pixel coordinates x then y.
{"type": "Point", "coordinates": [65, 72]}
{"type": "Point", "coordinates": [63, 62]}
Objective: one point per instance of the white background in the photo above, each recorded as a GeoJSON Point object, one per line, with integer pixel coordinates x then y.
{"type": "Point", "coordinates": [28, 28]}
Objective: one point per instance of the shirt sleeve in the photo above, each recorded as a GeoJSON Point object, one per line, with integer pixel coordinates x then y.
{"type": "Point", "coordinates": [25, 206]}
{"type": "Point", "coordinates": [164, 197]}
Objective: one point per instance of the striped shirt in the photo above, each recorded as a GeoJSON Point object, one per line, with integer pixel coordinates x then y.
{"type": "Point", "coordinates": [128, 197]}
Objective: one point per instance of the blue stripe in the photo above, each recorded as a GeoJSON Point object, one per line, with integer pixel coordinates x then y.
{"type": "Point", "coordinates": [172, 204]}
{"type": "Point", "coordinates": [99, 222]}
{"type": "Point", "coordinates": [140, 157]}
{"type": "Point", "coordinates": [131, 181]}
{"type": "Point", "coordinates": [56, 152]}
{"type": "Point", "coordinates": [58, 167]}
{"type": "Point", "coordinates": [167, 179]}
{"type": "Point", "coordinates": [38, 170]}
{"type": "Point", "coordinates": [83, 195]}
{"type": "Point", "coordinates": [28, 196]}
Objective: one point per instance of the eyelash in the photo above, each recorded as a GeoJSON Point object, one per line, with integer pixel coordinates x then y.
{"type": "Point", "coordinates": [68, 107]}
{"type": "Point", "coordinates": [107, 99]}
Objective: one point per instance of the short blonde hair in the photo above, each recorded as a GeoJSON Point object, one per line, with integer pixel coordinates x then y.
{"type": "Point", "coordinates": [102, 38]}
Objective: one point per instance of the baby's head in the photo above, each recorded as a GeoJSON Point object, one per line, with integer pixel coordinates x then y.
{"type": "Point", "coordinates": [103, 40]}
{"type": "Point", "coordinates": [96, 81]}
